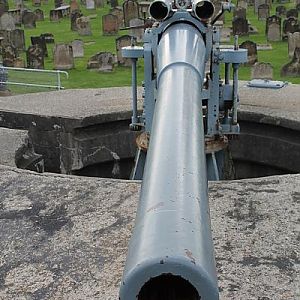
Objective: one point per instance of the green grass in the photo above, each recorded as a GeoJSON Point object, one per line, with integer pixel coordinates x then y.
{"type": "Point", "coordinates": [80, 77]}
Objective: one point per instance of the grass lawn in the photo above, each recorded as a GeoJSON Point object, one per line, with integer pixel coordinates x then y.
{"type": "Point", "coordinates": [80, 77]}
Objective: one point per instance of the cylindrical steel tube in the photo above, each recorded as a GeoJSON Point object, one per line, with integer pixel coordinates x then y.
{"type": "Point", "coordinates": [171, 248]}
{"type": "Point", "coordinates": [160, 9]}
{"type": "Point", "coordinates": [203, 9]}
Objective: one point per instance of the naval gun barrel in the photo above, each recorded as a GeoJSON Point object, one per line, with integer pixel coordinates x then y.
{"type": "Point", "coordinates": [170, 254]}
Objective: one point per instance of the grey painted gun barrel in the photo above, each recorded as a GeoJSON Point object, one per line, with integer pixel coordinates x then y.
{"type": "Point", "coordinates": [171, 250]}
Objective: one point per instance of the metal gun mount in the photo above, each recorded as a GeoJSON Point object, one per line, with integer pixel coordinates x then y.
{"type": "Point", "coordinates": [187, 114]}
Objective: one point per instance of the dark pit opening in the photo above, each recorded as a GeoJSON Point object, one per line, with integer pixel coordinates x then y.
{"type": "Point", "coordinates": [168, 287]}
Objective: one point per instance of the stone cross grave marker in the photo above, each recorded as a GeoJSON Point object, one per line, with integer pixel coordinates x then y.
{"type": "Point", "coordinates": [273, 28]}
{"type": "Point", "coordinates": [293, 42]}
{"type": "Point", "coordinates": [252, 52]}
{"type": "Point", "coordinates": [240, 26]}
{"type": "Point", "coordinates": [39, 14]}
{"type": "Point", "coordinates": [110, 24]}
{"type": "Point", "coordinates": [123, 41]}
{"type": "Point", "coordinates": [130, 10]}
{"type": "Point", "coordinates": [102, 62]}
{"type": "Point", "coordinates": [78, 49]}
{"type": "Point", "coordinates": [263, 12]}
{"type": "Point", "coordinates": [290, 25]}
{"type": "Point", "coordinates": [63, 57]}
{"type": "Point", "coordinates": [138, 33]}
{"type": "Point", "coordinates": [7, 22]}
{"type": "Point", "coordinates": [292, 69]}
{"type": "Point", "coordinates": [83, 26]}
{"type": "Point", "coordinates": [35, 57]}
{"type": "Point", "coordinates": [262, 70]}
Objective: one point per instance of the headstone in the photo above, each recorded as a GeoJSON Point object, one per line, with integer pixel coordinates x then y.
{"type": "Point", "coordinates": [293, 42]}
{"type": "Point", "coordinates": [63, 57]}
{"type": "Point", "coordinates": [290, 25]}
{"type": "Point", "coordinates": [78, 50]}
{"type": "Point", "coordinates": [117, 11]}
{"type": "Point", "coordinates": [55, 15]}
{"type": "Point", "coordinates": [35, 57]}
{"type": "Point", "coordinates": [252, 52]}
{"type": "Point", "coordinates": [263, 11]}
{"type": "Point", "coordinates": [257, 3]}
{"type": "Point", "coordinates": [74, 16]}
{"type": "Point", "coordinates": [137, 32]}
{"type": "Point", "coordinates": [292, 13]}
{"type": "Point", "coordinates": [240, 26]}
{"type": "Point", "coordinates": [225, 35]}
{"type": "Point", "coordinates": [28, 20]}
{"type": "Point", "coordinates": [49, 38]}
{"type": "Point", "coordinates": [99, 3]}
{"type": "Point", "coordinates": [7, 22]}
{"type": "Point", "coordinates": [65, 10]}
{"type": "Point", "coordinates": [40, 40]}
{"type": "Point", "coordinates": [9, 55]}
{"type": "Point", "coordinates": [114, 3]}
{"type": "Point", "coordinates": [90, 4]}
{"type": "Point", "coordinates": [242, 4]}
{"type": "Point", "coordinates": [102, 62]}
{"type": "Point", "coordinates": [36, 2]}
{"type": "Point", "coordinates": [83, 26]}
{"type": "Point", "coordinates": [280, 11]}
{"type": "Point", "coordinates": [273, 28]}
{"type": "Point", "coordinates": [74, 6]}
{"type": "Point", "coordinates": [17, 38]}
{"type": "Point", "coordinates": [292, 69]}
{"type": "Point", "coordinates": [39, 14]}
{"type": "Point", "coordinates": [110, 24]}
{"type": "Point", "coordinates": [239, 12]}
{"type": "Point", "coordinates": [17, 16]}
{"type": "Point", "coordinates": [123, 41]}
{"type": "Point", "coordinates": [130, 11]}
{"type": "Point", "coordinates": [262, 70]}
{"type": "Point", "coordinates": [19, 63]}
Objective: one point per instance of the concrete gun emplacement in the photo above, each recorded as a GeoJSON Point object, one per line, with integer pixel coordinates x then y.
{"type": "Point", "coordinates": [188, 114]}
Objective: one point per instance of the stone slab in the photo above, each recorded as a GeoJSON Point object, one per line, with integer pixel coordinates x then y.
{"type": "Point", "coordinates": [66, 237]}
{"type": "Point", "coordinates": [10, 141]}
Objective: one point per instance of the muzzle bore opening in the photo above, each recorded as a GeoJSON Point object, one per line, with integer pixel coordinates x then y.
{"type": "Point", "coordinates": [158, 10]}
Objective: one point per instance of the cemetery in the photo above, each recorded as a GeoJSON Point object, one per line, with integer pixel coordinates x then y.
{"type": "Point", "coordinates": [123, 185]}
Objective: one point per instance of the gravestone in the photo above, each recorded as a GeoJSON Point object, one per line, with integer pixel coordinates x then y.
{"type": "Point", "coordinates": [55, 15]}
{"type": "Point", "coordinates": [292, 69]}
{"type": "Point", "coordinates": [273, 29]}
{"type": "Point", "coordinates": [36, 2]}
{"type": "Point", "coordinates": [78, 50]}
{"type": "Point", "coordinates": [9, 55]}
{"type": "Point", "coordinates": [290, 25]}
{"type": "Point", "coordinates": [19, 63]}
{"type": "Point", "coordinates": [138, 33]}
{"type": "Point", "coordinates": [242, 4]}
{"type": "Point", "coordinates": [239, 12]}
{"type": "Point", "coordinates": [74, 6]}
{"type": "Point", "coordinates": [102, 62]}
{"type": "Point", "coordinates": [29, 19]}
{"type": "Point", "coordinates": [262, 70]}
{"type": "Point", "coordinates": [17, 39]}
{"type": "Point", "coordinates": [83, 26]}
{"type": "Point", "coordinates": [39, 15]}
{"type": "Point", "coordinates": [49, 38]}
{"type": "Point", "coordinates": [99, 3]}
{"type": "Point", "coordinates": [292, 13]}
{"type": "Point", "coordinates": [257, 3]}
{"type": "Point", "coordinates": [123, 41]}
{"type": "Point", "coordinates": [280, 11]}
{"type": "Point", "coordinates": [117, 11]}
{"type": "Point", "coordinates": [17, 16]}
{"type": "Point", "coordinates": [130, 11]}
{"type": "Point", "coordinates": [252, 52]}
{"type": "Point", "coordinates": [7, 22]}
{"type": "Point", "coordinates": [90, 4]}
{"type": "Point", "coordinates": [240, 26]}
{"type": "Point", "coordinates": [225, 34]}
{"type": "Point", "coordinates": [293, 42]}
{"type": "Point", "coordinates": [114, 3]}
{"type": "Point", "coordinates": [35, 57]}
{"type": "Point", "coordinates": [263, 11]}
{"type": "Point", "coordinates": [41, 42]}
{"type": "Point", "coordinates": [110, 24]}
{"type": "Point", "coordinates": [63, 57]}
{"type": "Point", "coordinates": [74, 16]}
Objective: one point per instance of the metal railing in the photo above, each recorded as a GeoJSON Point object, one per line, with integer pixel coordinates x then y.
{"type": "Point", "coordinates": [35, 78]}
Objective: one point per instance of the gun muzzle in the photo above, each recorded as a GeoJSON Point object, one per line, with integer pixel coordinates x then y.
{"type": "Point", "coordinates": [159, 10]}
{"type": "Point", "coordinates": [203, 9]}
